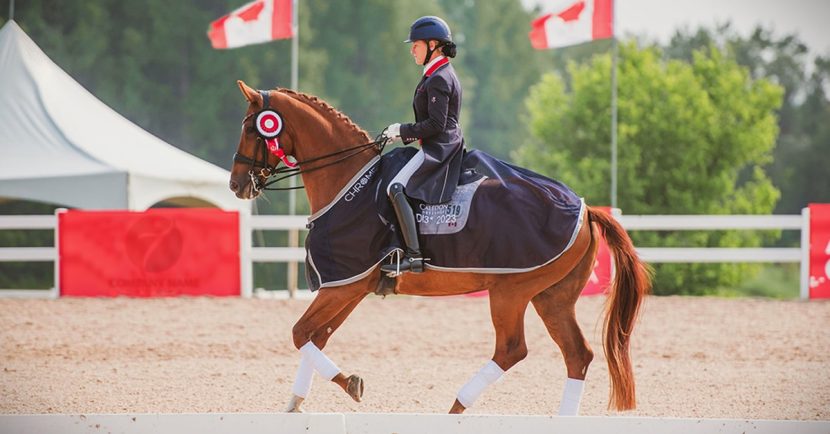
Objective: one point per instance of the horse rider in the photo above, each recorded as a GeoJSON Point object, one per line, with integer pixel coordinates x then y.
{"type": "Point", "coordinates": [432, 174]}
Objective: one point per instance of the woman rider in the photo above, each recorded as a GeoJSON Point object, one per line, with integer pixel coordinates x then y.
{"type": "Point", "coordinates": [432, 174]}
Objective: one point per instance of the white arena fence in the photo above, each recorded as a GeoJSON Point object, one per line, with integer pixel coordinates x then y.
{"type": "Point", "coordinates": [377, 423]}
{"type": "Point", "coordinates": [294, 255]}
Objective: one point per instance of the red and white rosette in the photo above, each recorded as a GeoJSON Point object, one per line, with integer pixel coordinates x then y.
{"type": "Point", "coordinates": [269, 125]}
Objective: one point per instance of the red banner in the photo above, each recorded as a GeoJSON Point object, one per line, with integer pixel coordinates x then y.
{"type": "Point", "coordinates": [819, 250]}
{"type": "Point", "coordinates": [159, 252]}
{"type": "Point", "coordinates": [601, 277]}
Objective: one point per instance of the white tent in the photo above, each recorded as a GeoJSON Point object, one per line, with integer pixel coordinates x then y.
{"type": "Point", "coordinates": [60, 144]}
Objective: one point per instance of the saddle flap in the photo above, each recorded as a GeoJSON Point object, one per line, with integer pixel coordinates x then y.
{"type": "Point", "coordinates": [449, 217]}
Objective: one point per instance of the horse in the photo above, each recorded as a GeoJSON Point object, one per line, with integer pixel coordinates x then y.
{"type": "Point", "coordinates": [330, 149]}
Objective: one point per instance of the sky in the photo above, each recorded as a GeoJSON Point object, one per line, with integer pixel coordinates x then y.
{"type": "Point", "coordinates": [658, 19]}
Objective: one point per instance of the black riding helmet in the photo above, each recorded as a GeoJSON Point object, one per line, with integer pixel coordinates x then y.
{"type": "Point", "coordinates": [428, 28]}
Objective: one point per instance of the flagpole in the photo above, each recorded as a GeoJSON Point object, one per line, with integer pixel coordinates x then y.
{"type": "Point", "coordinates": [294, 234]}
{"type": "Point", "coordinates": [295, 44]}
{"type": "Point", "coordinates": [295, 27]}
{"type": "Point", "coordinates": [614, 114]}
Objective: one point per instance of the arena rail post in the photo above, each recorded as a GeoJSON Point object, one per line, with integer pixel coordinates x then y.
{"type": "Point", "coordinates": [246, 265]}
{"type": "Point", "coordinates": [292, 275]}
{"type": "Point", "coordinates": [57, 286]}
{"type": "Point", "coordinates": [805, 253]}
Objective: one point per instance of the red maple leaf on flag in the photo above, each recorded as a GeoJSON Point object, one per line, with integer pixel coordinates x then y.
{"type": "Point", "coordinates": [252, 13]}
{"type": "Point", "coordinates": [573, 12]}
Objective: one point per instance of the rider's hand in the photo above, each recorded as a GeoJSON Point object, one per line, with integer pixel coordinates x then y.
{"type": "Point", "coordinates": [392, 132]}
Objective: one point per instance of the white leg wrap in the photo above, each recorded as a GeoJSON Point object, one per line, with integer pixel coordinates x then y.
{"type": "Point", "coordinates": [305, 373]}
{"type": "Point", "coordinates": [294, 406]}
{"type": "Point", "coordinates": [489, 374]}
{"type": "Point", "coordinates": [322, 364]}
{"type": "Point", "coordinates": [571, 397]}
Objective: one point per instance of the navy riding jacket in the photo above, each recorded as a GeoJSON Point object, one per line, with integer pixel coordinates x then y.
{"type": "Point", "coordinates": [437, 106]}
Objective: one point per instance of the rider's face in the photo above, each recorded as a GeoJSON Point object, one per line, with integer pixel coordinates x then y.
{"type": "Point", "coordinates": [418, 51]}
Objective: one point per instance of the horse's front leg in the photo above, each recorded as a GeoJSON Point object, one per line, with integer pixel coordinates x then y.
{"type": "Point", "coordinates": [326, 313]}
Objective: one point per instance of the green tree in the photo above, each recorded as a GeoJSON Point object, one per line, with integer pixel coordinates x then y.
{"type": "Point", "coordinates": [687, 133]}
{"type": "Point", "coordinates": [800, 156]}
{"type": "Point", "coordinates": [368, 73]}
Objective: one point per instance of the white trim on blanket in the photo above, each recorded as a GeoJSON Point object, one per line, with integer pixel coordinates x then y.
{"type": "Point", "coordinates": [345, 189]}
{"type": "Point", "coordinates": [360, 276]}
{"type": "Point", "coordinates": [313, 267]}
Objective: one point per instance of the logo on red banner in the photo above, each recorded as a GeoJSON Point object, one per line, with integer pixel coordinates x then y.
{"type": "Point", "coordinates": [160, 252]}
{"type": "Point", "coordinates": [600, 278]}
{"type": "Point", "coordinates": [154, 243]}
{"type": "Point", "coordinates": [819, 250]}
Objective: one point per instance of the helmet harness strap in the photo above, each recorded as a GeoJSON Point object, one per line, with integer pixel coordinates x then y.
{"type": "Point", "coordinates": [430, 51]}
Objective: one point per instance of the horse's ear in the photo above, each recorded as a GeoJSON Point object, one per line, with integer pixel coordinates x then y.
{"type": "Point", "coordinates": [251, 95]}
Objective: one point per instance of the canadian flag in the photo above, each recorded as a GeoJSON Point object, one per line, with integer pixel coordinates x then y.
{"type": "Point", "coordinates": [580, 22]}
{"type": "Point", "coordinates": [256, 22]}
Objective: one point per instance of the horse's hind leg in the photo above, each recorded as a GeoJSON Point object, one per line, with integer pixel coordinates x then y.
{"type": "Point", "coordinates": [556, 307]}
{"type": "Point", "coordinates": [311, 333]}
{"type": "Point", "coordinates": [507, 311]}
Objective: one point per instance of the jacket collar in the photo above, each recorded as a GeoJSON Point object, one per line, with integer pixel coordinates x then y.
{"type": "Point", "coordinates": [434, 65]}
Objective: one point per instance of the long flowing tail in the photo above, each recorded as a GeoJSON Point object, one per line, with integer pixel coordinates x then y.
{"type": "Point", "coordinates": [632, 281]}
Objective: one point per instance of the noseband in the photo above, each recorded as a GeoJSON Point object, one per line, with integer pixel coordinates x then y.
{"type": "Point", "coordinates": [260, 181]}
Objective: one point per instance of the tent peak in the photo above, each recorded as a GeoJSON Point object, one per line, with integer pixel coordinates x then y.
{"type": "Point", "coordinates": [12, 24]}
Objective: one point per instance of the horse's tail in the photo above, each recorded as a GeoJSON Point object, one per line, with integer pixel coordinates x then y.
{"type": "Point", "coordinates": [632, 281]}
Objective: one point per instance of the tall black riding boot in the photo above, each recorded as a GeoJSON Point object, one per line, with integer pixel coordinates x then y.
{"type": "Point", "coordinates": [413, 260]}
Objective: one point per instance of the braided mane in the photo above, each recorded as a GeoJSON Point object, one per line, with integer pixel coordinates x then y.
{"type": "Point", "coordinates": [326, 109]}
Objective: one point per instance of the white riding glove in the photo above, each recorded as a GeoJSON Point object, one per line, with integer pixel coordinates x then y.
{"type": "Point", "coordinates": [392, 132]}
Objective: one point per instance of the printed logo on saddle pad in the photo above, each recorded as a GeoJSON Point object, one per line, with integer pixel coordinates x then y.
{"type": "Point", "coordinates": [449, 217]}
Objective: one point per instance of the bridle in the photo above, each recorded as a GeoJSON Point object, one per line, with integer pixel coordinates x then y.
{"type": "Point", "coordinates": [267, 171]}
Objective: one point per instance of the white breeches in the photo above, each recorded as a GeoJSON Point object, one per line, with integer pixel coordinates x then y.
{"type": "Point", "coordinates": [407, 171]}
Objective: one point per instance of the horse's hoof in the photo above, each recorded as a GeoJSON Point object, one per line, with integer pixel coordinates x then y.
{"type": "Point", "coordinates": [354, 387]}
{"type": "Point", "coordinates": [457, 408]}
{"type": "Point", "coordinates": [386, 285]}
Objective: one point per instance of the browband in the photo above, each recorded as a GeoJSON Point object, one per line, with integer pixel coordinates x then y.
{"type": "Point", "coordinates": [265, 98]}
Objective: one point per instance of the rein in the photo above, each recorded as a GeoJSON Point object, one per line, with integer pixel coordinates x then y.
{"type": "Point", "coordinates": [266, 171]}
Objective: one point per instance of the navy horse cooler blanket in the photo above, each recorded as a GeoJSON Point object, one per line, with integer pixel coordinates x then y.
{"type": "Point", "coordinates": [501, 219]}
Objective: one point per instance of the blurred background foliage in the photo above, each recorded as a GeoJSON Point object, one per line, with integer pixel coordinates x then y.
{"type": "Point", "coordinates": [712, 122]}
{"type": "Point", "coordinates": [694, 138]}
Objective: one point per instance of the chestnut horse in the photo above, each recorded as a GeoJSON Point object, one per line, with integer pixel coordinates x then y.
{"type": "Point", "coordinates": [313, 131]}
